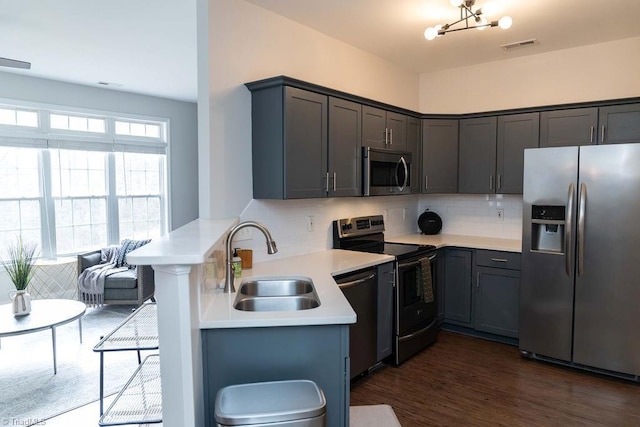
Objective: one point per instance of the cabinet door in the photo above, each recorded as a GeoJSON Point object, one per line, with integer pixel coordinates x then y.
{"type": "Point", "coordinates": [619, 124]}
{"type": "Point", "coordinates": [344, 147]}
{"type": "Point", "coordinates": [305, 130]}
{"type": "Point", "coordinates": [477, 162]}
{"type": "Point", "coordinates": [374, 127]}
{"type": "Point", "coordinates": [414, 132]}
{"type": "Point", "coordinates": [497, 300]}
{"type": "Point", "coordinates": [457, 287]}
{"type": "Point", "coordinates": [439, 156]}
{"type": "Point", "coordinates": [397, 128]}
{"type": "Point", "coordinates": [564, 128]}
{"type": "Point", "coordinates": [386, 280]}
{"type": "Point", "coordinates": [515, 133]}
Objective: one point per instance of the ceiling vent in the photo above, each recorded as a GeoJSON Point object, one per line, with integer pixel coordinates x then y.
{"type": "Point", "coordinates": [517, 45]}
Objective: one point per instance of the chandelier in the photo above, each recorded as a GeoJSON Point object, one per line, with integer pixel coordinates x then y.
{"type": "Point", "coordinates": [467, 14]}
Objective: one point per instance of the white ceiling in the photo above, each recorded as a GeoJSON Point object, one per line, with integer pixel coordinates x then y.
{"type": "Point", "coordinates": [149, 46]}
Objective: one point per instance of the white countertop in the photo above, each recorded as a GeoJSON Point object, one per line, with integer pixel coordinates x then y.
{"type": "Point", "coordinates": [218, 311]}
{"type": "Point", "coordinates": [186, 245]}
{"type": "Point", "coordinates": [473, 242]}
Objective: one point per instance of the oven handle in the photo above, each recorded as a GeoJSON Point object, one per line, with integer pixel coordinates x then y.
{"type": "Point", "coordinates": [411, 264]}
{"type": "Point", "coordinates": [351, 284]}
{"type": "Point", "coordinates": [420, 332]}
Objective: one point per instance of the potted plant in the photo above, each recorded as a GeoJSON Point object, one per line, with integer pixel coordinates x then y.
{"type": "Point", "coordinates": [19, 267]}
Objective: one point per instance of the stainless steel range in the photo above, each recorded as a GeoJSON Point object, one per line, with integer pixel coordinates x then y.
{"type": "Point", "coordinates": [415, 314]}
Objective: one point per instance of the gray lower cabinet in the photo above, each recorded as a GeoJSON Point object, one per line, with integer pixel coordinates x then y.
{"type": "Point", "coordinates": [457, 287]}
{"type": "Point", "coordinates": [439, 156]}
{"type": "Point", "coordinates": [477, 158]}
{"type": "Point", "coordinates": [497, 292]}
{"type": "Point", "coordinates": [516, 132]}
{"type": "Point", "coordinates": [562, 128]}
{"type": "Point", "coordinates": [245, 355]}
{"type": "Point", "coordinates": [383, 129]}
{"type": "Point", "coordinates": [619, 124]}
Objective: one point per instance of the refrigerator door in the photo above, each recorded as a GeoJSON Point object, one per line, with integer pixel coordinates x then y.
{"type": "Point", "coordinates": [607, 288]}
{"type": "Point", "coordinates": [546, 293]}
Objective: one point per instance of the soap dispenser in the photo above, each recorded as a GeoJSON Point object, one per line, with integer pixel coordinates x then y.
{"type": "Point", "coordinates": [237, 263]}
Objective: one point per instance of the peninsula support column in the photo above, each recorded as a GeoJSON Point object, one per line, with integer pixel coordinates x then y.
{"type": "Point", "coordinates": [180, 345]}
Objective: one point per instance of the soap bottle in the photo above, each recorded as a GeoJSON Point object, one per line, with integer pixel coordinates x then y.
{"type": "Point", "coordinates": [237, 263]}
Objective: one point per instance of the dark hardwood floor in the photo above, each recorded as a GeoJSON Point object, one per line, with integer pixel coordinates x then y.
{"type": "Point", "coordinates": [465, 381]}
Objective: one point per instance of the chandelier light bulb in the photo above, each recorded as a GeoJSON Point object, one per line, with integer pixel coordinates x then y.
{"type": "Point", "coordinates": [505, 22]}
{"type": "Point", "coordinates": [430, 33]}
{"type": "Point", "coordinates": [456, 3]}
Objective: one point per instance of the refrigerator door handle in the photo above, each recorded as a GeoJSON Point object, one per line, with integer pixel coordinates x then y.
{"type": "Point", "coordinates": [568, 229]}
{"type": "Point", "coordinates": [582, 206]}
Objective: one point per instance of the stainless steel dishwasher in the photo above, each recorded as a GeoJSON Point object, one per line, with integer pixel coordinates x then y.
{"type": "Point", "coordinates": [361, 290]}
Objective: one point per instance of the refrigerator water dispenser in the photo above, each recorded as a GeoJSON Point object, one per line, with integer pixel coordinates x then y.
{"type": "Point", "coordinates": [547, 228]}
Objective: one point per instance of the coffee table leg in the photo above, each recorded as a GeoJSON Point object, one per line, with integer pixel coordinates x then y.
{"type": "Point", "coordinates": [80, 328]}
{"type": "Point", "coordinates": [53, 339]}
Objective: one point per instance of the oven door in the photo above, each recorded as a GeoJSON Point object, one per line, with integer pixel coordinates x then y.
{"type": "Point", "coordinates": [386, 172]}
{"type": "Point", "coordinates": [416, 301]}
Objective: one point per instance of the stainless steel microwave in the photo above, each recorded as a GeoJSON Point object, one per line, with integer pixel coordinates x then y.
{"type": "Point", "coordinates": [385, 172]}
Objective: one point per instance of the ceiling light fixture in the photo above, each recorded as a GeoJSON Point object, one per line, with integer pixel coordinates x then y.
{"type": "Point", "coordinates": [466, 14]}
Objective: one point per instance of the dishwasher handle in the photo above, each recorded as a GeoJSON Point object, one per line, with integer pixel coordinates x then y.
{"type": "Point", "coordinates": [353, 283]}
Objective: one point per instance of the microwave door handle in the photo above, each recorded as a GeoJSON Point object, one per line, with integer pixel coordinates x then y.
{"type": "Point", "coordinates": [402, 162]}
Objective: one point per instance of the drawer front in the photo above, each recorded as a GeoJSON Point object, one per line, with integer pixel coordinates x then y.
{"type": "Point", "coordinates": [498, 259]}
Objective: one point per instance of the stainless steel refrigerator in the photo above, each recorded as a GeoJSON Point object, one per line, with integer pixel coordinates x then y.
{"type": "Point", "coordinates": [580, 287]}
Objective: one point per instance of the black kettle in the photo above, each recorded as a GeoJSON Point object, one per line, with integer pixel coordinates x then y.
{"type": "Point", "coordinates": [429, 222]}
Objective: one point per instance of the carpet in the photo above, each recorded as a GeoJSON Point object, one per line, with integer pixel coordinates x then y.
{"type": "Point", "coordinates": [28, 388]}
{"type": "Point", "coordinates": [372, 416]}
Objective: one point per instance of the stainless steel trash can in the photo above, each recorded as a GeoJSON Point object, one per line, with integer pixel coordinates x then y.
{"type": "Point", "coordinates": [293, 403]}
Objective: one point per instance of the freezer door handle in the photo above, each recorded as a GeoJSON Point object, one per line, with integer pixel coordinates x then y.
{"type": "Point", "coordinates": [582, 206]}
{"type": "Point", "coordinates": [567, 230]}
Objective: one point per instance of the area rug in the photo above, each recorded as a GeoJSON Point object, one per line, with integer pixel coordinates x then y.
{"type": "Point", "coordinates": [372, 416]}
{"type": "Point", "coordinates": [29, 391]}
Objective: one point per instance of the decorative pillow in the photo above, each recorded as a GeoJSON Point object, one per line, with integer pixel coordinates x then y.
{"type": "Point", "coordinates": [127, 246]}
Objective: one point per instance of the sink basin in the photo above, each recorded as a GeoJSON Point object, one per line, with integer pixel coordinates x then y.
{"type": "Point", "coordinates": [289, 303]}
{"type": "Point", "coordinates": [276, 294]}
{"type": "Point", "coordinates": [277, 286]}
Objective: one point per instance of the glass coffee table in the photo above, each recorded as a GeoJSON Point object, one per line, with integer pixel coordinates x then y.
{"type": "Point", "coordinates": [45, 314]}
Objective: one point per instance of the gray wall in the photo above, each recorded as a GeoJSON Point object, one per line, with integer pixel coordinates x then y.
{"type": "Point", "coordinates": [183, 126]}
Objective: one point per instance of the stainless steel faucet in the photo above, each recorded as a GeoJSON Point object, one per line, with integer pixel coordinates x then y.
{"type": "Point", "coordinates": [271, 249]}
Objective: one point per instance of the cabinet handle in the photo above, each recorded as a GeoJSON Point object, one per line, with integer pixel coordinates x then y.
{"type": "Point", "coordinates": [327, 181]}
{"type": "Point", "coordinates": [499, 260]}
{"type": "Point", "coordinates": [478, 280]}
{"type": "Point", "coordinates": [602, 134]}
{"type": "Point", "coordinates": [386, 136]}
{"type": "Point", "coordinates": [390, 136]}
{"type": "Point", "coordinates": [591, 135]}
{"type": "Point", "coordinates": [491, 182]}
{"type": "Point", "coordinates": [335, 174]}
{"type": "Point", "coordinates": [426, 182]}
{"type": "Point", "coordinates": [499, 181]}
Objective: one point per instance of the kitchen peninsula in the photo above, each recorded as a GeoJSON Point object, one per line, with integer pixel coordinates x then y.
{"type": "Point", "coordinates": [186, 307]}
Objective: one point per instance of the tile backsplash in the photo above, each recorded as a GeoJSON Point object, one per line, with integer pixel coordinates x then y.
{"type": "Point", "coordinates": [303, 226]}
{"type": "Point", "coordinates": [477, 214]}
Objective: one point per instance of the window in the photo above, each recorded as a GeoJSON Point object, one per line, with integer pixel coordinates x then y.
{"type": "Point", "coordinates": [73, 193]}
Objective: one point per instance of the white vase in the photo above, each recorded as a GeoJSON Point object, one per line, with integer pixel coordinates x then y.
{"type": "Point", "coordinates": [21, 302]}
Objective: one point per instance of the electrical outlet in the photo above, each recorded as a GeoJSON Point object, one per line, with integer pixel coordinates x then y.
{"type": "Point", "coordinates": [243, 234]}
{"type": "Point", "coordinates": [500, 214]}
{"type": "Point", "coordinates": [310, 225]}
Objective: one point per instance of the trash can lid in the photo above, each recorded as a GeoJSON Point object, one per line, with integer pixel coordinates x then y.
{"type": "Point", "coordinates": [269, 402]}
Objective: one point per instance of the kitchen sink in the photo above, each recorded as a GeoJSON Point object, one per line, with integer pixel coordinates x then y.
{"type": "Point", "coordinates": [276, 294]}
{"type": "Point", "coordinates": [290, 303]}
{"type": "Point", "coordinates": [277, 286]}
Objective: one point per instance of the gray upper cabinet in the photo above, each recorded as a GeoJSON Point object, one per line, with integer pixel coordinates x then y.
{"type": "Point", "coordinates": [515, 133]}
{"type": "Point", "coordinates": [344, 147]}
{"type": "Point", "coordinates": [619, 124]}
{"type": "Point", "coordinates": [383, 129]}
{"type": "Point", "coordinates": [564, 128]}
{"type": "Point", "coordinates": [414, 139]}
{"type": "Point", "coordinates": [477, 159]}
{"type": "Point", "coordinates": [439, 156]}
